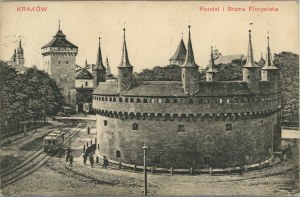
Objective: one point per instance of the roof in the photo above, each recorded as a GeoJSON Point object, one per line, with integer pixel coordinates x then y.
{"type": "Point", "coordinates": [107, 88]}
{"type": "Point", "coordinates": [125, 60]}
{"type": "Point", "coordinates": [111, 77]}
{"type": "Point", "coordinates": [180, 52]}
{"type": "Point", "coordinates": [83, 74]}
{"type": "Point", "coordinates": [189, 60]}
{"type": "Point", "coordinates": [175, 89]}
{"type": "Point", "coordinates": [59, 40]}
{"type": "Point", "coordinates": [227, 59]}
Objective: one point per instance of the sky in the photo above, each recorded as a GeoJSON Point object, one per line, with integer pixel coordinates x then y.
{"type": "Point", "coordinates": [153, 29]}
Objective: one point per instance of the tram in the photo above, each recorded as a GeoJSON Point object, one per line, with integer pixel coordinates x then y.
{"type": "Point", "coordinates": [53, 142]}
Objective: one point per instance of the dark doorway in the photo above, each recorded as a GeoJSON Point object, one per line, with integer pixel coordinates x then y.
{"type": "Point", "coordinates": [80, 108]}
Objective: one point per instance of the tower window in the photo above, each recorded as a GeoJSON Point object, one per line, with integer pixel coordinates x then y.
{"type": "Point", "coordinates": [206, 160]}
{"type": "Point", "coordinates": [131, 100]}
{"type": "Point", "coordinates": [138, 100]}
{"type": "Point", "coordinates": [98, 146]}
{"type": "Point", "coordinates": [86, 83]}
{"type": "Point", "coordinates": [67, 62]}
{"type": "Point", "coordinates": [126, 100]}
{"type": "Point", "coordinates": [157, 159]}
{"type": "Point", "coordinates": [159, 101]}
{"type": "Point", "coordinates": [175, 101]}
{"type": "Point", "coordinates": [120, 99]}
{"type": "Point", "coordinates": [105, 122]}
{"type": "Point", "coordinates": [118, 153]}
{"type": "Point", "coordinates": [59, 62]}
{"type": "Point", "coordinates": [145, 101]}
{"type": "Point", "coordinates": [167, 100]}
{"type": "Point", "coordinates": [110, 99]}
{"type": "Point", "coordinates": [114, 99]}
{"type": "Point", "coordinates": [261, 123]}
{"type": "Point", "coordinates": [180, 128]}
{"type": "Point", "coordinates": [105, 98]}
{"type": "Point", "coordinates": [248, 76]}
{"type": "Point", "coordinates": [228, 127]}
{"type": "Point", "coordinates": [152, 100]}
{"type": "Point", "coordinates": [135, 126]}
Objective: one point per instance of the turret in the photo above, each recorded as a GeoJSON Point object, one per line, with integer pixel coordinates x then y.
{"type": "Point", "coordinates": [211, 73]}
{"type": "Point", "coordinates": [20, 54]}
{"type": "Point", "coordinates": [269, 72]}
{"type": "Point", "coordinates": [251, 70]}
{"type": "Point", "coordinates": [179, 56]}
{"type": "Point", "coordinates": [190, 70]}
{"type": "Point", "coordinates": [99, 71]}
{"type": "Point", "coordinates": [125, 70]}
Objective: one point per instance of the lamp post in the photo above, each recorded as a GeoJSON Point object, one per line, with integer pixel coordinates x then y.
{"type": "Point", "coordinates": [145, 169]}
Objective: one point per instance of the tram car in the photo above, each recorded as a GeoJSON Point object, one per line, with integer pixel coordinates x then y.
{"type": "Point", "coordinates": [53, 142]}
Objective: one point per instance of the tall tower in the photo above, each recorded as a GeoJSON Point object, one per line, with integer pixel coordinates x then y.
{"type": "Point", "coordinates": [189, 69]}
{"type": "Point", "coordinates": [269, 72]}
{"type": "Point", "coordinates": [20, 54]}
{"type": "Point", "coordinates": [99, 71]}
{"type": "Point", "coordinates": [59, 57]}
{"type": "Point", "coordinates": [125, 70]}
{"type": "Point", "coordinates": [211, 73]}
{"type": "Point", "coordinates": [179, 56]}
{"type": "Point", "coordinates": [251, 70]}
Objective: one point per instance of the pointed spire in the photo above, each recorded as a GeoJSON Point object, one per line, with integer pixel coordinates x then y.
{"type": "Point", "coordinates": [189, 59]}
{"type": "Point", "coordinates": [125, 60]}
{"type": "Point", "coordinates": [20, 43]}
{"type": "Point", "coordinates": [250, 59]}
{"type": "Point", "coordinates": [99, 63]}
{"type": "Point", "coordinates": [108, 72]}
{"type": "Point", "coordinates": [59, 25]}
{"type": "Point", "coordinates": [86, 63]}
{"type": "Point", "coordinates": [211, 68]}
{"type": "Point", "coordinates": [269, 61]}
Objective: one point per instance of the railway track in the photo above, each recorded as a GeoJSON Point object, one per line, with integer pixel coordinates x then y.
{"type": "Point", "coordinates": [34, 161]}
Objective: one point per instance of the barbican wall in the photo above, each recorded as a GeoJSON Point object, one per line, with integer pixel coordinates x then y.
{"type": "Point", "coordinates": [185, 132]}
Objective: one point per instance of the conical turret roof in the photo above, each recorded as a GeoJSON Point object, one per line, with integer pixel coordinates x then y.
{"type": "Point", "coordinates": [250, 59]}
{"type": "Point", "coordinates": [125, 60]}
{"type": "Point", "coordinates": [189, 59]}
{"type": "Point", "coordinates": [99, 63]}
{"type": "Point", "coordinates": [269, 62]}
{"type": "Point", "coordinates": [180, 53]}
{"type": "Point", "coordinates": [211, 68]}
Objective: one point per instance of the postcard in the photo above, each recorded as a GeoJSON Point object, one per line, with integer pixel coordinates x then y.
{"type": "Point", "coordinates": [158, 98]}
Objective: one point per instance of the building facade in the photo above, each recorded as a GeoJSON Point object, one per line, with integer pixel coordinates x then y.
{"type": "Point", "coordinates": [189, 123]}
{"type": "Point", "coordinates": [59, 61]}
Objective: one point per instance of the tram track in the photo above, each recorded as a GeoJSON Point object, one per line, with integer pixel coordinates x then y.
{"type": "Point", "coordinates": [34, 161]}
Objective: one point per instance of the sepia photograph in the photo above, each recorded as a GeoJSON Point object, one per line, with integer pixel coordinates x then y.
{"type": "Point", "coordinates": [149, 98]}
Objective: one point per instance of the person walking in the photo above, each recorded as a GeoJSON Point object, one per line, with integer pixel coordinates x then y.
{"type": "Point", "coordinates": [84, 158]}
{"type": "Point", "coordinates": [71, 160]}
{"type": "Point", "coordinates": [105, 162]}
{"type": "Point", "coordinates": [67, 154]}
{"type": "Point", "coordinates": [91, 160]}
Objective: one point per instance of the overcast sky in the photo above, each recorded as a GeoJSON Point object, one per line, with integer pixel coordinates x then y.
{"type": "Point", "coordinates": [153, 29]}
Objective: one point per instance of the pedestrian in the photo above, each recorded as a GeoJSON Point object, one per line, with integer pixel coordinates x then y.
{"type": "Point", "coordinates": [91, 160]}
{"type": "Point", "coordinates": [105, 162]}
{"type": "Point", "coordinates": [88, 130]}
{"type": "Point", "coordinates": [71, 160]}
{"type": "Point", "coordinates": [84, 158]}
{"type": "Point", "coordinates": [67, 155]}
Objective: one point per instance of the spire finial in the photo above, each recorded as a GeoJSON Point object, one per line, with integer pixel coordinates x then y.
{"type": "Point", "coordinates": [181, 35]}
{"type": "Point", "coordinates": [99, 40]}
{"type": "Point", "coordinates": [20, 43]}
{"type": "Point", "coordinates": [268, 39]}
{"type": "Point", "coordinates": [59, 25]}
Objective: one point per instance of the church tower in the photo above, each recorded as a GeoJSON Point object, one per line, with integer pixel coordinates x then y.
{"type": "Point", "coordinates": [211, 73]}
{"type": "Point", "coordinates": [59, 57]}
{"type": "Point", "coordinates": [251, 70]}
{"type": "Point", "coordinates": [125, 69]}
{"type": "Point", "coordinates": [189, 70]}
{"type": "Point", "coordinates": [179, 56]}
{"type": "Point", "coordinates": [99, 71]}
{"type": "Point", "coordinates": [269, 72]}
{"type": "Point", "coordinates": [20, 54]}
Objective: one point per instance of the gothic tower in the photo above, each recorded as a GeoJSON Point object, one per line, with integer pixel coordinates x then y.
{"type": "Point", "coordinates": [269, 72]}
{"type": "Point", "coordinates": [20, 54]}
{"type": "Point", "coordinates": [59, 57]}
{"type": "Point", "coordinates": [125, 70]}
{"type": "Point", "coordinates": [190, 70]}
{"type": "Point", "coordinates": [211, 73]}
{"type": "Point", "coordinates": [99, 71]}
{"type": "Point", "coordinates": [251, 70]}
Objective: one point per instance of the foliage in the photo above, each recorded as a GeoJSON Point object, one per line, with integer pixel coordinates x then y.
{"type": "Point", "coordinates": [231, 72]}
{"type": "Point", "coordinates": [288, 64]}
{"type": "Point", "coordinates": [158, 73]}
{"type": "Point", "coordinates": [30, 95]}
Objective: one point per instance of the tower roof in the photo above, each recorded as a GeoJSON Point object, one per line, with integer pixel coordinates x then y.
{"type": "Point", "coordinates": [180, 53]}
{"type": "Point", "coordinates": [99, 63]}
{"type": "Point", "coordinates": [250, 59]}
{"type": "Point", "coordinates": [189, 59]}
{"type": "Point", "coordinates": [59, 40]}
{"type": "Point", "coordinates": [211, 68]}
{"type": "Point", "coordinates": [269, 62]}
{"type": "Point", "coordinates": [108, 72]}
{"type": "Point", "coordinates": [125, 60]}
{"type": "Point", "coordinates": [83, 74]}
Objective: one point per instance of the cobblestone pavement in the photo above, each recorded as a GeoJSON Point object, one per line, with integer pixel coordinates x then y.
{"type": "Point", "coordinates": [57, 178]}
